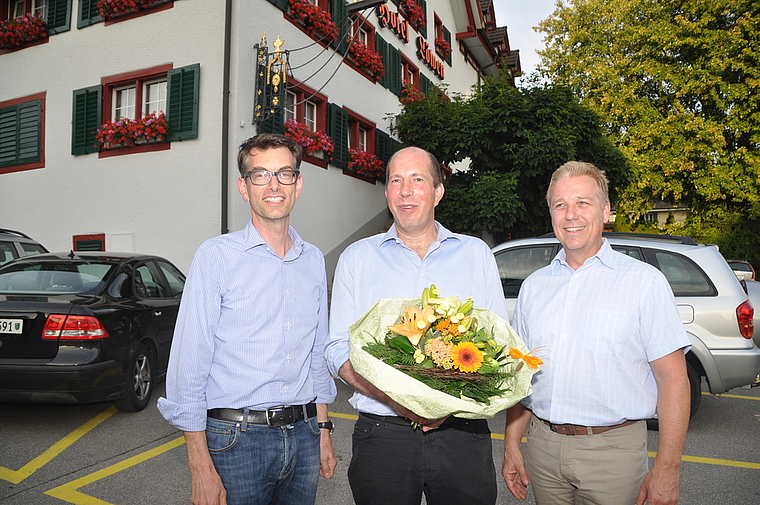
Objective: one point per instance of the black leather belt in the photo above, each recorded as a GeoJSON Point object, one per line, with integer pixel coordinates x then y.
{"type": "Point", "coordinates": [274, 417]}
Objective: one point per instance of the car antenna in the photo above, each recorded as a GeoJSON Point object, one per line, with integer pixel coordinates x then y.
{"type": "Point", "coordinates": [71, 254]}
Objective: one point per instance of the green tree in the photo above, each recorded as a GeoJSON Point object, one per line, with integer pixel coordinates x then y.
{"type": "Point", "coordinates": [513, 139]}
{"type": "Point", "coordinates": [677, 86]}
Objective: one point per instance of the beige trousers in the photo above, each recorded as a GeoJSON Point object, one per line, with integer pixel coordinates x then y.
{"type": "Point", "coordinates": [603, 469]}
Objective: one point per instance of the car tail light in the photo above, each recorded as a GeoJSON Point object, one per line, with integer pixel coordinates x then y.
{"type": "Point", "coordinates": [744, 314]}
{"type": "Point", "coordinates": [73, 328]}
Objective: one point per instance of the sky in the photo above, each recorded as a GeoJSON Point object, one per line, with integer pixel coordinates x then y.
{"type": "Point", "coordinates": [520, 16]}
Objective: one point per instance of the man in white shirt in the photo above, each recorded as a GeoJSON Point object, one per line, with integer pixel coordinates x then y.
{"type": "Point", "coordinates": [614, 353]}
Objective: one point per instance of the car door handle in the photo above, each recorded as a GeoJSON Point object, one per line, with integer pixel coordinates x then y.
{"type": "Point", "coordinates": [157, 313]}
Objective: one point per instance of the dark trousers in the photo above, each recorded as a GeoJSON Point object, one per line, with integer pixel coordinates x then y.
{"type": "Point", "coordinates": [394, 464]}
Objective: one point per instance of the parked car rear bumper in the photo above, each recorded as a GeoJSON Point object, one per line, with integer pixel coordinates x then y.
{"type": "Point", "coordinates": [735, 366]}
{"type": "Point", "coordinates": [61, 384]}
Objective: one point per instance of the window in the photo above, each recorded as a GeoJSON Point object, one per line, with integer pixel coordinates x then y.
{"type": "Point", "coordinates": [361, 133]}
{"type": "Point", "coordinates": [136, 94]}
{"type": "Point", "coordinates": [410, 73]}
{"type": "Point", "coordinates": [57, 13]}
{"type": "Point", "coordinates": [22, 126]}
{"type": "Point", "coordinates": [515, 265]}
{"type": "Point", "coordinates": [302, 104]}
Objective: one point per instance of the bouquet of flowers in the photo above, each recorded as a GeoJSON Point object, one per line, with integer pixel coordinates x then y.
{"type": "Point", "coordinates": [443, 357]}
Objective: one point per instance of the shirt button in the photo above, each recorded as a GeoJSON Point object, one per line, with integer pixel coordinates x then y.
{"type": "Point", "coordinates": [285, 388]}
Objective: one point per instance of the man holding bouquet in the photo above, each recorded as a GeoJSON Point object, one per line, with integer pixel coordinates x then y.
{"type": "Point", "coordinates": [450, 459]}
{"type": "Point", "coordinates": [615, 352]}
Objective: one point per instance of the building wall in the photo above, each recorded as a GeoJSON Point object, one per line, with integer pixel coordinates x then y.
{"type": "Point", "coordinates": [168, 202]}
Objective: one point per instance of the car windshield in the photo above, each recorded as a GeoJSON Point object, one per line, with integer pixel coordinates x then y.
{"type": "Point", "coordinates": [742, 267]}
{"type": "Point", "coordinates": [48, 278]}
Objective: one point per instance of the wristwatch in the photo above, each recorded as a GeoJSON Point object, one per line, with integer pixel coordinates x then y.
{"type": "Point", "coordinates": [327, 426]}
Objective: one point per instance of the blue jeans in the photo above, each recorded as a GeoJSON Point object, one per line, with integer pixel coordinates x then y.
{"type": "Point", "coordinates": [260, 465]}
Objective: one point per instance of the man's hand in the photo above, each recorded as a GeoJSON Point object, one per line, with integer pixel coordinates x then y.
{"type": "Point", "coordinates": [659, 487]}
{"type": "Point", "coordinates": [206, 486]}
{"type": "Point", "coordinates": [327, 459]}
{"type": "Point", "coordinates": [514, 473]}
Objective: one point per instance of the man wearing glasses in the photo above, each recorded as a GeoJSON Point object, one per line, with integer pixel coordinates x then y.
{"type": "Point", "coordinates": [247, 381]}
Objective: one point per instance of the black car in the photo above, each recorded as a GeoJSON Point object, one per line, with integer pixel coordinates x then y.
{"type": "Point", "coordinates": [86, 327]}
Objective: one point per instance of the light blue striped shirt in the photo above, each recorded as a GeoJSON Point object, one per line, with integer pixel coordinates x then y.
{"type": "Point", "coordinates": [251, 330]}
{"type": "Point", "coordinates": [597, 329]}
{"type": "Point", "coordinates": [383, 267]}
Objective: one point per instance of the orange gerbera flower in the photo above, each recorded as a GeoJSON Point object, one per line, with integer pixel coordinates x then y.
{"type": "Point", "coordinates": [414, 323]}
{"type": "Point", "coordinates": [467, 357]}
{"type": "Point", "coordinates": [531, 361]}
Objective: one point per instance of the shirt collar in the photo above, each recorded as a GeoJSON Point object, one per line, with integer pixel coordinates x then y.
{"type": "Point", "coordinates": [252, 238]}
{"type": "Point", "coordinates": [443, 234]}
{"type": "Point", "coordinates": [605, 256]}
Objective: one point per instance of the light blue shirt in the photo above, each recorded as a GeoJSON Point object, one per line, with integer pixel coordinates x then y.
{"type": "Point", "coordinates": [383, 267]}
{"type": "Point", "coordinates": [251, 330]}
{"type": "Point", "coordinates": [597, 329]}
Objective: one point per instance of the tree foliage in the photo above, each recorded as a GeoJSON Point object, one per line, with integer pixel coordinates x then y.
{"type": "Point", "coordinates": [677, 85]}
{"type": "Point", "coordinates": [513, 139]}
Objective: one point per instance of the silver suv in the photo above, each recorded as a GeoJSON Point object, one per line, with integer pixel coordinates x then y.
{"type": "Point", "coordinates": [713, 305]}
{"type": "Point", "coordinates": [14, 244]}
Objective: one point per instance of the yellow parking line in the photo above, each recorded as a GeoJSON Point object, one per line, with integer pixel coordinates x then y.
{"type": "Point", "coordinates": [69, 492]}
{"type": "Point", "coordinates": [722, 395]}
{"type": "Point", "coordinates": [16, 476]}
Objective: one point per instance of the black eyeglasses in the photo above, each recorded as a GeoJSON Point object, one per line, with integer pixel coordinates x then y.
{"type": "Point", "coordinates": [262, 177]}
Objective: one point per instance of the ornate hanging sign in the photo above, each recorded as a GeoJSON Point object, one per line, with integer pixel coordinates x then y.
{"type": "Point", "coordinates": [271, 79]}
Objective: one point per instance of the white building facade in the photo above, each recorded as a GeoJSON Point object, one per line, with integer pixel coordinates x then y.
{"type": "Point", "coordinates": [196, 61]}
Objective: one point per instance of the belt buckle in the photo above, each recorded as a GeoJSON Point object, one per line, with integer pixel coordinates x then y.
{"type": "Point", "coordinates": [279, 416]}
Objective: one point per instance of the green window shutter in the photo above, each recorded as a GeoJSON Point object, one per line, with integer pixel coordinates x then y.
{"type": "Point", "coordinates": [381, 47]}
{"type": "Point", "coordinates": [182, 102]}
{"type": "Point", "coordinates": [20, 133]}
{"type": "Point", "coordinates": [382, 145]}
{"type": "Point", "coordinates": [395, 146]}
{"type": "Point", "coordinates": [423, 30]}
{"type": "Point", "coordinates": [339, 15]}
{"type": "Point", "coordinates": [447, 38]}
{"type": "Point", "coordinates": [88, 13]}
{"type": "Point", "coordinates": [87, 112]}
{"type": "Point", "coordinates": [337, 126]}
{"type": "Point", "coordinates": [274, 123]}
{"type": "Point", "coordinates": [58, 16]}
{"type": "Point", "coordinates": [280, 4]}
{"type": "Point", "coordinates": [394, 72]}
{"type": "Point", "coordinates": [425, 84]}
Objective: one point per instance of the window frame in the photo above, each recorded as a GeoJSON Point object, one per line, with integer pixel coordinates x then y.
{"type": "Point", "coordinates": [408, 68]}
{"type": "Point", "coordinates": [37, 161]}
{"type": "Point", "coordinates": [304, 96]}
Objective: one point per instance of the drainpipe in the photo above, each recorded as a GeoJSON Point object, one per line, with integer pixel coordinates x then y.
{"type": "Point", "coordinates": [226, 116]}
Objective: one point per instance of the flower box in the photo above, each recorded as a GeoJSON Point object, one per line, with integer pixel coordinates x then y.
{"type": "Point", "coordinates": [413, 13]}
{"type": "Point", "coordinates": [19, 31]}
{"type": "Point", "coordinates": [315, 144]}
{"type": "Point", "coordinates": [110, 9]}
{"type": "Point", "coordinates": [366, 164]}
{"type": "Point", "coordinates": [126, 132]}
{"type": "Point", "coordinates": [314, 19]}
{"type": "Point", "coordinates": [443, 48]}
{"type": "Point", "coordinates": [366, 58]}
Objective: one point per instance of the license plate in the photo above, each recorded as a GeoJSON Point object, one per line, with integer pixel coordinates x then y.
{"type": "Point", "coordinates": [11, 325]}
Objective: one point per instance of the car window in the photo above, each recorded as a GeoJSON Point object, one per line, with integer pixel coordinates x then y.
{"type": "Point", "coordinates": [742, 267]}
{"type": "Point", "coordinates": [633, 252]}
{"type": "Point", "coordinates": [32, 249]}
{"type": "Point", "coordinates": [54, 278]}
{"type": "Point", "coordinates": [683, 275]}
{"type": "Point", "coordinates": [174, 277]}
{"type": "Point", "coordinates": [515, 265]}
{"type": "Point", "coordinates": [7, 252]}
{"type": "Point", "coordinates": [148, 282]}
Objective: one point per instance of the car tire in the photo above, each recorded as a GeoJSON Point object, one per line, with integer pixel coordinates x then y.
{"type": "Point", "coordinates": [139, 385]}
{"type": "Point", "coordinates": [695, 393]}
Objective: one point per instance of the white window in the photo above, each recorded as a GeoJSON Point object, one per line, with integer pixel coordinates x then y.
{"type": "Point", "coordinates": [35, 7]}
{"type": "Point", "coordinates": [154, 97]}
{"type": "Point", "coordinates": [124, 103]}
{"type": "Point", "coordinates": [310, 115]}
{"type": "Point", "coordinates": [290, 106]}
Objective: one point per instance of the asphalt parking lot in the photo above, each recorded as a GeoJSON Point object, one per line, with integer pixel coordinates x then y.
{"type": "Point", "coordinates": [95, 455]}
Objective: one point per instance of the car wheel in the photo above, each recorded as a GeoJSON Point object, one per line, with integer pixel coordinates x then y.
{"type": "Point", "coordinates": [695, 392]}
{"type": "Point", "coordinates": [139, 385]}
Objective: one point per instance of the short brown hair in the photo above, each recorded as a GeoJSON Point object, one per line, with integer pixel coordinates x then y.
{"type": "Point", "coordinates": [577, 169]}
{"type": "Point", "coordinates": [264, 141]}
{"type": "Point", "coordinates": [433, 165]}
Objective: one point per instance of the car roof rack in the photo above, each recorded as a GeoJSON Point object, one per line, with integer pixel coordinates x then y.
{"type": "Point", "coordinates": [14, 232]}
{"type": "Point", "coordinates": [641, 236]}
